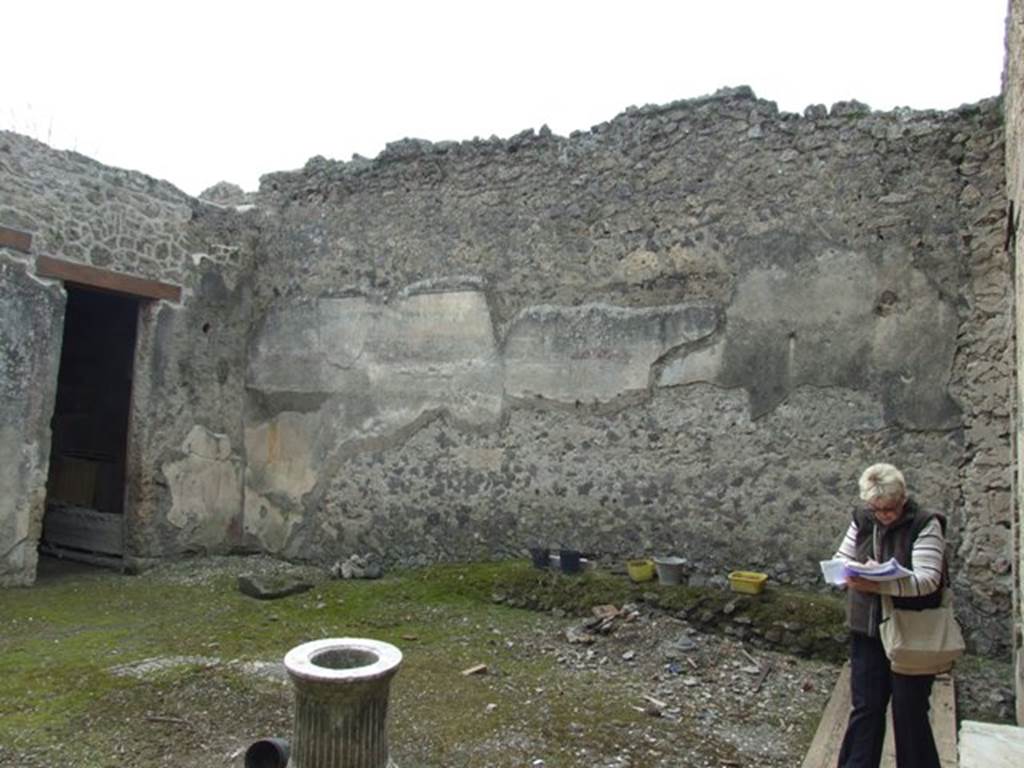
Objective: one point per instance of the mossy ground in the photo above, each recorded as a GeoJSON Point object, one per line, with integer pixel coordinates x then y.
{"type": "Point", "coordinates": [63, 704]}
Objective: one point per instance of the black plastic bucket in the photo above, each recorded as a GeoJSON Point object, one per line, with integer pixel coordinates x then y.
{"type": "Point", "coordinates": [571, 560]}
{"type": "Point", "coordinates": [541, 557]}
{"type": "Point", "coordinates": [267, 753]}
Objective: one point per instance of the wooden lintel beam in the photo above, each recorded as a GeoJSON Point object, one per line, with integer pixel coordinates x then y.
{"type": "Point", "coordinates": [105, 279]}
{"type": "Point", "coordinates": [15, 239]}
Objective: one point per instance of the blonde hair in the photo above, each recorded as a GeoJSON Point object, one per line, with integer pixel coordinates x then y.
{"type": "Point", "coordinates": [882, 481]}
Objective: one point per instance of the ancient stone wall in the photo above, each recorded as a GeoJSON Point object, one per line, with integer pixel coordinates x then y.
{"type": "Point", "coordinates": [686, 330]}
{"type": "Point", "coordinates": [1013, 95]}
{"type": "Point", "coordinates": [185, 456]}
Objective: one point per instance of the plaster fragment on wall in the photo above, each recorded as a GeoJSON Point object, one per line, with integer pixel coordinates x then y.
{"type": "Point", "coordinates": [839, 318]}
{"type": "Point", "coordinates": [700, 365]}
{"type": "Point", "coordinates": [266, 522]}
{"type": "Point", "coordinates": [388, 364]}
{"type": "Point", "coordinates": [425, 352]}
{"type": "Point", "coordinates": [596, 352]}
{"type": "Point", "coordinates": [18, 471]}
{"type": "Point", "coordinates": [206, 487]}
{"type": "Point", "coordinates": [280, 454]}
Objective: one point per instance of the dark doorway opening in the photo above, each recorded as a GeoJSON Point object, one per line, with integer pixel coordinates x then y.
{"type": "Point", "coordinates": [84, 517]}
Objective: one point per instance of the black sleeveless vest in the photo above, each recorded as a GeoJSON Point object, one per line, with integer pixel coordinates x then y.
{"type": "Point", "coordinates": [864, 611]}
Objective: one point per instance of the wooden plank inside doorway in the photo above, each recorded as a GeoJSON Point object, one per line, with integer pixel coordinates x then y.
{"type": "Point", "coordinates": [85, 529]}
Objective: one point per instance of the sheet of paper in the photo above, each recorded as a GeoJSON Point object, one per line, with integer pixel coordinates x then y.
{"type": "Point", "coordinates": [834, 572]}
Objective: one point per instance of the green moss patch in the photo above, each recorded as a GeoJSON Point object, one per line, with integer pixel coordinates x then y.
{"type": "Point", "coordinates": [804, 623]}
{"type": "Point", "coordinates": [70, 649]}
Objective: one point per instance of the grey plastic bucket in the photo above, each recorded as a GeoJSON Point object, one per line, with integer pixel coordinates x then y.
{"type": "Point", "coordinates": [541, 557]}
{"type": "Point", "coordinates": [670, 570]}
{"type": "Point", "coordinates": [570, 560]}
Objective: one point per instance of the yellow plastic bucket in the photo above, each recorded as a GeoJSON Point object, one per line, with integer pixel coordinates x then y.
{"type": "Point", "coordinates": [748, 582]}
{"type": "Point", "coordinates": [640, 570]}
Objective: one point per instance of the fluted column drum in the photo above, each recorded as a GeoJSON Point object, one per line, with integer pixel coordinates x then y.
{"type": "Point", "coordinates": [341, 702]}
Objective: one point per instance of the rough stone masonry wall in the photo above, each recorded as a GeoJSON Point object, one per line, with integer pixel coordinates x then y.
{"type": "Point", "coordinates": [1013, 94]}
{"type": "Point", "coordinates": [686, 330]}
{"type": "Point", "coordinates": [185, 455]}
{"type": "Point", "coordinates": [982, 383]}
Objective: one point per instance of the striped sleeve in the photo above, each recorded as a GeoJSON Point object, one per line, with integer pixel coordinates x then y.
{"type": "Point", "coordinates": [929, 548]}
{"type": "Point", "coordinates": [848, 548]}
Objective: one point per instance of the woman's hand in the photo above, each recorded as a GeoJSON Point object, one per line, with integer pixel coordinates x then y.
{"type": "Point", "coordinates": [861, 584]}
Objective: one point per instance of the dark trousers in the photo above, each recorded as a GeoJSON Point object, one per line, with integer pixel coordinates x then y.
{"type": "Point", "coordinates": [871, 685]}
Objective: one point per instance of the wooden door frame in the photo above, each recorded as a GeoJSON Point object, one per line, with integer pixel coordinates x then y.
{"type": "Point", "coordinates": [146, 292]}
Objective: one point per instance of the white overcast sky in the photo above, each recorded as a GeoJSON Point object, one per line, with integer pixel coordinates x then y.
{"type": "Point", "coordinates": [199, 92]}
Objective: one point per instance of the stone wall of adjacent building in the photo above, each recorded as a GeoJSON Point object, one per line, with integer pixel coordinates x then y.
{"type": "Point", "coordinates": [983, 383]}
{"type": "Point", "coordinates": [684, 331]}
{"type": "Point", "coordinates": [1013, 94]}
{"type": "Point", "coordinates": [30, 313]}
{"type": "Point", "coordinates": [186, 446]}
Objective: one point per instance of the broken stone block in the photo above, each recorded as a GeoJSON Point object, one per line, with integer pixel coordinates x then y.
{"type": "Point", "coordinates": [271, 587]}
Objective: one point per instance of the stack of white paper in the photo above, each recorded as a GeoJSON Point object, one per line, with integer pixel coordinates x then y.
{"type": "Point", "coordinates": [837, 571]}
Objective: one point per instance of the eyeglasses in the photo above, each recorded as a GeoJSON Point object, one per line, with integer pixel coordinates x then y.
{"type": "Point", "coordinates": [888, 509]}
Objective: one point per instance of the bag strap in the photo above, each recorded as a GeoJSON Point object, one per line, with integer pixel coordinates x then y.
{"type": "Point", "coordinates": [887, 606]}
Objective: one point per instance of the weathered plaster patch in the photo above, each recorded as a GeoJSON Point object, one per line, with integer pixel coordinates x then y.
{"type": "Point", "coordinates": [835, 318]}
{"type": "Point", "coordinates": [596, 352]}
{"type": "Point", "coordinates": [266, 522]}
{"type": "Point", "coordinates": [912, 347]}
{"type": "Point", "coordinates": [425, 352]}
{"type": "Point", "coordinates": [699, 365]}
{"type": "Point", "coordinates": [387, 365]}
{"type": "Point", "coordinates": [21, 506]}
{"type": "Point", "coordinates": [280, 454]}
{"type": "Point", "coordinates": [206, 487]}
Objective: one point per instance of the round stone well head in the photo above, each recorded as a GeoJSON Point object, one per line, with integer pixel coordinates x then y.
{"type": "Point", "coordinates": [341, 701]}
{"type": "Point", "coordinates": [342, 661]}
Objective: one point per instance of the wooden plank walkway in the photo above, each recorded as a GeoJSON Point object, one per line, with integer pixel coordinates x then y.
{"type": "Point", "coordinates": [824, 750]}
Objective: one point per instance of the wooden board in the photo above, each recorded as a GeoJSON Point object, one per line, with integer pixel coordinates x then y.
{"type": "Point", "coordinates": [15, 239]}
{"type": "Point", "coordinates": [942, 716]}
{"type": "Point", "coordinates": [104, 561]}
{"type": "Point", "coordinates": [825, 746]}
{"type": "Point", "coordinates": [105, 279]}
{"type": "Point", "coordinates": [828, 738]}
{"type": "Point", "coordinates": [73, 480]}
{"type": "Point", "coordinates": [943, 719]}
{"type": "Point", "coordinates": [84, 529]}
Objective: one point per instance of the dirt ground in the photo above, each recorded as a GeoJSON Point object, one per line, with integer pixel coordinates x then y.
{"type": "Point", "coordinates": [175, 667]}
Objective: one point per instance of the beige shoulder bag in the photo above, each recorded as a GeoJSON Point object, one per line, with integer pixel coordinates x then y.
{"type": "Point", "coordinates": [923, 642]}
